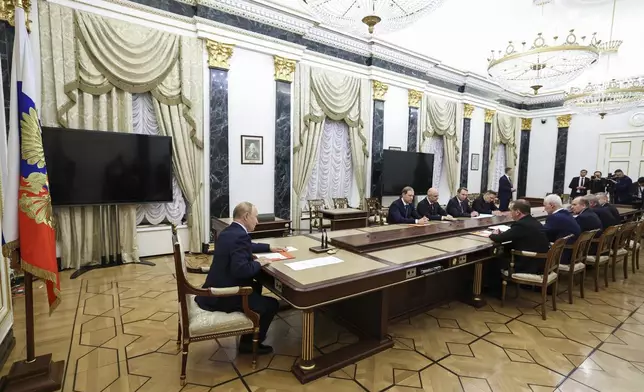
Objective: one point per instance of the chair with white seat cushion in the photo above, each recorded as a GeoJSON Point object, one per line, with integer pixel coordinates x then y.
{"type": "Point", "coordinates": [619, 250]}
{"type": "Point", "coordinates": [601, 254]}
{"type": "Point", "coordinates": [577, 260]}
{"type": "Point", "coordinates": [635, 244]}
{"type": "Point", "coordinates": [548, 278]}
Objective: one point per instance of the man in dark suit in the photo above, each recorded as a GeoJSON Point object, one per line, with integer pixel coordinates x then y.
{"type": "Point", "coordinates": [637, 189]}
{"type": "Point", "coordinates": [430, 209]}
{"type": "Point", "coordinates": [559, 224]}
{"type": "Point", "coordinates": [602, 199]}
{"type": "Point", "coordinates": [623, 188]}
{"type": "Point", "coordinates": [233, 264]}
{"type": "Point", "coordinates": [605, 215]}
{"type": "Point", "coordinates": [403, 211]}
{"type": "Point", "coordinates": [526, 234]}
{"type": "Point", "coordinates": [505, 190]}
{"type": "Point", "coordinates": [586, 218]}
{"type": "Point", "coordinates": [579, 185]}
{"type": "Point", "coordinates": [459, 206]}
{"type": "Point", "coordinates": [484, 204]}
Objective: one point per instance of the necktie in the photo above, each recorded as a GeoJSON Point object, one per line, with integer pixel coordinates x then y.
{"type": "Point", "coordinates": [581, 182]}
{"type": "Point", "coordinates": [461, 204]}
{"type": "Point", "coordinates": [406, 210]}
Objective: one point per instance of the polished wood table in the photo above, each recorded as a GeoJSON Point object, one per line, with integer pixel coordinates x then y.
{"type": "Point", "coordinates": [276, 228]}
{"type": "Point", "coordinates": [345, 218]}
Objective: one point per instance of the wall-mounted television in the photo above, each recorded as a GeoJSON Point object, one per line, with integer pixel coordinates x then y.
{"type": "Point", "coordinates": [98, 167]}
{"type": "Point", "coordinates": [403, 168]}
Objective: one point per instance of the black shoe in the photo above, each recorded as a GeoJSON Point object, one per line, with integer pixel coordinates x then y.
{"type": "Point", "coordinates": [247, 348]}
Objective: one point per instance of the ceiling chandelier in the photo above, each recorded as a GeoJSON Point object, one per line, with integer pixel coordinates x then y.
{"type": "Point", "coordinates": [366, 15]}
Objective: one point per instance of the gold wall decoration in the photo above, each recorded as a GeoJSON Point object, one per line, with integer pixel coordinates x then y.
{"type": "Point", "coordinates": [379, 90]}
{"type": "Point", "coordinates": [468, 110]}
{"type": "Point", "coordinates": [564, 121]}
{"type": "Point", "coordinates": [489, 115]}
{"type": "Point", "coordinates": [414, 98]}
{"type": "Point", "coordinates": [526, 124]}
{"type": "Point", "coordinates": [8, 12]}
{"type": "Point", "coordinates": [284, 69]}
{"type": "Point", "coordinates": [219, 54]}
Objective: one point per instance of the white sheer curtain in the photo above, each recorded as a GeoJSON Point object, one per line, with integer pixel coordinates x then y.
{"type": "Point", "coordinates": [434, 145]}
{"type": "Point", "coordinates": [504, 130]}
{"type": "Point", "coordinates": [144, 121]}
{"type": "Point", "coordinates": [499, 165]}
{"type": "Point", "coordinates": [332, 174]}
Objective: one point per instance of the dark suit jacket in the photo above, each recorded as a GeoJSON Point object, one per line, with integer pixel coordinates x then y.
{"type": "Point", "coordinates": [432, 211]}
{"type": "Point", "coordinates": [561, 224]}
{"type": "Point", "coordinates": [482, 207]}
{"type": "Point", "coordinates": [624, 190]}
{"type": "Point", "coordinates": [457, 208]}
{"type": "Point", "coordinates": [613, 211]}
{"type": "Point", "coordinates": [636, 198]}
{"type": "Point", "coordinates": [597, 185]}
{"type": "Point", "coordinates": [588, 220]}
{"type": "Point", "coordinates": [575, 183]}
{"type": "Point", "coordinates": [399, 214]}
{"type": "Point", "coordinates": [505, 188]}
{"type": "Point", "coordinates": [606, 217]}
{"type": "Point", "coordinates": [232, 265]}
{"type": "Point", "coordinates": [526, 234]}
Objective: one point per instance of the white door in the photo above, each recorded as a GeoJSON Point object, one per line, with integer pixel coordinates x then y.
{"type": "Point", "coordinates": [622, 151]}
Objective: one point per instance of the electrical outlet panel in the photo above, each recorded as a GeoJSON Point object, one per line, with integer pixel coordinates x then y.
{"type": "Point", "coordinates": [410, 273]}
{"type": "Point", "coordinates": [462, 259]}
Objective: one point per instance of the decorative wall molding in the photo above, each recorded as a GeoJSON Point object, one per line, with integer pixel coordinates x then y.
{"type": "Point", "coordinates": [468, 110]}
{"type": "Point", "coordinates": [219, 54]}
{"type": "Point", "coordinates": [379, 90]}
{"type": "Point", "coordinates": [284, 69]}
{"type": "Point", "coordinates": [489, 115]}
{"type": "Point", "coordinates": [414, 97]}
{"type": "Point", "coordinates": [564, 121]}
{"type": "Point", "coordinates": [526, 124]}
{"type": "Point", "coordinates": [8, 13]}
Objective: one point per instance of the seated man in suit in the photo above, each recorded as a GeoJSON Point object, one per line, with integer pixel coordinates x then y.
{"type": "Point", "coordinates": [403, 211]}
{"type": "Point", "coordinates": [233, 264]}
{"type": "Point", "coordinates": [579, 185]}
{"type": "Point", "coordinates": [459, 206]}
{"type": "Point", "coordinates": [505, 190]}
{"type": "Point", "coordinates": [559, 224]}
{"type": "Point", "coordinates": [602, 199]}
{"type": "Point", "coordinates": [430, 209]}
{"type": "Point", "coordinates": [605, 216]}
{"type": "Point", "coordinates": [638, 193]}
{"type": "Point", "coordinates": [526, 234]}
{"type": "Point", "coordinates": [586, 218]}
{"type": "Point", "coordinates": [484, 204]}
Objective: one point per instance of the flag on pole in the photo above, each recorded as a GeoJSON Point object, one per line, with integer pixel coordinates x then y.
{"type": "Point", "coordinates": [27, 211]}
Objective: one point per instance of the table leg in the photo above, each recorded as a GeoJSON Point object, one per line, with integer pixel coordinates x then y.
{"type": "Point", "coordinates": [477, 300]}
{"type": "Point", "coordinates": [308, 334]}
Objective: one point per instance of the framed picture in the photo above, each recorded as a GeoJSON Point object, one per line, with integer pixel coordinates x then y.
{"type": "Point", "coordinates": [252, 150]}
{"type": "Point", "coordinates": [475, 162]}
{"type": "Point", "coordinates": [395, 148]}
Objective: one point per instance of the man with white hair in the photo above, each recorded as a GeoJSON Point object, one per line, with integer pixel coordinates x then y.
{"type": "Point", "coordinates": [559, 222]}
{"type": "Point", "coordinates": [430, 209]}
{"type": "Point", "coordinates": [602, 200]}
{"type": "Point", "coordinates": [607, 219]}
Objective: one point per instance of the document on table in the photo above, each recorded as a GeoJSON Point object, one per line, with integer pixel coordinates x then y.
{"type": "Point", "coordinates": [483, 216]}
{"type": "Point", "coordinates": [312, 263]}
{"type": "Point", "coordinates": [271, 256]}
{"type": "Point", "coordinates": [501, 228]}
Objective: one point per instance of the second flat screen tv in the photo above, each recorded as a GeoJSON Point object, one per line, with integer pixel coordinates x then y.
{"type": "Point", "coordinates": [403, 168]}
{"type": "Point", "coordinates": [96, 167]}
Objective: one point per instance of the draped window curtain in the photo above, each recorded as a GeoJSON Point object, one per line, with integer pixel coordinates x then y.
{"type": "Point", "coordinates": [91, 67]}
{"type": "Point", "coordinates": [322, 95]}
{"type": "Point", "coordinates": [441, 120]}
{"type": "Point", "coordinates": [434, 145]}
{"type": "Point", "coordinates": [503, 138]}
{"type": "Point", "coordinates": [332, 175]}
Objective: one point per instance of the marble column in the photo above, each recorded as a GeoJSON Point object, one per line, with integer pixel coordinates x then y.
{"type": "Point", "coordinates": [7, 33]}
{"type": "Point", "coordinates": [485, 158]}
{"type": "Point", "coordinates": [414, 100]}
{"type": "Point", "coordinates": [563, 123]}
{"type": "Point", "coordinates": [284, 73]}
{"type": "Point", "coordinates": [379, 92]}
{"type": "Point", "coordinates": [465, 146]}
{"type": "Point", "coordinates": [218, 56]}
{"type": "Point", "coordinates": [524, 154]}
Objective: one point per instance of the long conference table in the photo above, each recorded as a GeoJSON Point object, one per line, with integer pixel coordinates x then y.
{"type": "Point", "coordinates": [386, 273]}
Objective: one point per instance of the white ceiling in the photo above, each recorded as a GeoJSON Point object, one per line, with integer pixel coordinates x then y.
{"type": "Point", "coordinates": [461, 33]}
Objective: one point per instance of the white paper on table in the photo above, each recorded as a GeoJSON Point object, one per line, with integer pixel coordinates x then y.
{"type": "Point", "coordinates": [501, 228]}
{"type": "Point", "coordinates": [484, 216]}
{"type": "Point", "coordinates": [271, 256]}
{"type": "Point", "coordinates": [290, 249]}
{"type": "Point", "coordinates": [312, 263]}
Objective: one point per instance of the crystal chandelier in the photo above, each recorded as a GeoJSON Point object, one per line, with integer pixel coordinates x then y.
{"type": "Point", "coordinates": [365, 15]}
{"type": "Point", "coordinates": [611, 97]}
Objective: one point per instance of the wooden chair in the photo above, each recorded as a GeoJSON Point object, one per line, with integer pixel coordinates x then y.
{"type": "Point", "coordinates": [549, 277]}
{"type": "Point", "coordinates": [619, 251]}
{"type": "Point", "coordinates": [340, 202]}
{"type": "Point", "coordinates": [315, 213]}
{"type": "Point", "coordinates": [472, 196]}
{"type": "Point", "coordinates": [635, 244]}
{"type": "Point", "coordinates": [375, 212]}
{"type": "Point", "coordinates": [601, 255]}
{"type": "Point", "coordinates": [578, 260]}
{"type": "Point", "coordinates": [196, 324]}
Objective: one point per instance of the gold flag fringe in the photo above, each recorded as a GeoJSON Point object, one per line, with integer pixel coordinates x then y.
{"type": "Point", "coordinates": [46, 275]}
{"type": "Point", "coordinates": [10, 247]}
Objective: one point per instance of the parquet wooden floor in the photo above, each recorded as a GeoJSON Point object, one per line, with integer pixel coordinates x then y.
{"type": "Point", "coordinates": [116, 330]}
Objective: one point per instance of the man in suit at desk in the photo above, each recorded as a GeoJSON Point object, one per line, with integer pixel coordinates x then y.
{"type": "Point", "coordinates": [579, 185]}
{"type": "Point", "coordinates": [602, 199]}
{"type": "Point", "coordinates": [604, 213]}
{"type": "Point", "coordinates": [638, 193]}
{"type": "Point", "coordinates": [526, 234]}
{"type": "Point", "coordinates": [586, 218]}
{"type": "Point", "coordinates": [505, 190]}
{"type": "Point", "coordinates": [459, 206]}
{"type": "Point", "coordinates": [559, 224]}
{"type": "Point", "coordinates": [403, 211]}
{"type": "Point", "coordinates": [484, 204]}
{"type": "Point", "coordinates": [430, 209]}
{"type": "Point", "coordinates": [233, 264]}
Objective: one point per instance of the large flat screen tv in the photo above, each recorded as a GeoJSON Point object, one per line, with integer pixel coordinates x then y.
{"type": "Point", "coordinates": [96, 167]}
{"type": "Point", "coordinates": [402, 168]}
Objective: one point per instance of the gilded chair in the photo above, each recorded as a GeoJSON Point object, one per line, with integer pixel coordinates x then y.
{"type": "Point", "coordinates": [196, 324]}
{"type": "Point", "coordinates": [549, 277]}
{"type": "Point", "coordinates": [578, 261]}
{"type": "Point", "coordinates": [340, 202]}
{"type": "Point", "coordinates": [601, 255]}
{"type": "Point", "coordinates": [619, 251]}
{"type": "Point", "coordinates": [375, 211]}
{"type": "Point", "coordinates": [315, 214]}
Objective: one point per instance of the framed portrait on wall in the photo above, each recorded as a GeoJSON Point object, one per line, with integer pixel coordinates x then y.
{"type": "Point", "coordinates": [475, 162]}
{"type": "Point", "coordinates": [252, 150]}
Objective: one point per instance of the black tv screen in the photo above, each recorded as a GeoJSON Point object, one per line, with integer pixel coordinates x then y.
{"type": "Point", "coordinates": [97, 167]}
{"type": "Point", "coordinates": [403, 168]}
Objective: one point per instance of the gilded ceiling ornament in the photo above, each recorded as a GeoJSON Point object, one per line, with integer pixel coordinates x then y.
{"type": "Point", "coordinates": [526, 124]}
{"type": "Point", "coordinates": [219, 54]}
{"type": "Point", "coordinates": [414, 98]}
{"type": "Point", "coordinates": [468, 110]}
{"type": "Point", "coordinates": [564, 121]}
{"type": "Point", "coordinates": [8, 11]}
{"type": "Point", "coordinates": [379, 90]}
{"type": "Point", "coordinates": [489, 115]}
{"type": "Point", "coordinates": [284, 69]}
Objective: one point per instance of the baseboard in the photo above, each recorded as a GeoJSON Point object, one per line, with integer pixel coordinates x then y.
{"type": "Point", "coordinates": [7, 345]}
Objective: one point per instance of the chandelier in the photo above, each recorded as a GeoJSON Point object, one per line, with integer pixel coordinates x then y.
{"type": "Point", "coordinates": [361, 15]}
{"type": "Point", "coordinates": [611, 97]}
{"type": "Point", "coordinates": [542, 64]}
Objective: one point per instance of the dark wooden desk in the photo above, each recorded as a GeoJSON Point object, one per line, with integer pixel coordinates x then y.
{"type": "Point", "coordinates": [277, 228]}
{"type": "Point", "coordinates": [346, 218]}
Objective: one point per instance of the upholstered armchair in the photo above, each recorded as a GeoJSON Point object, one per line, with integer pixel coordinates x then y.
{"type": "Point", "coordinates": [577, 265]}
{"type": "Point", "coordinates": [602, 252]}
